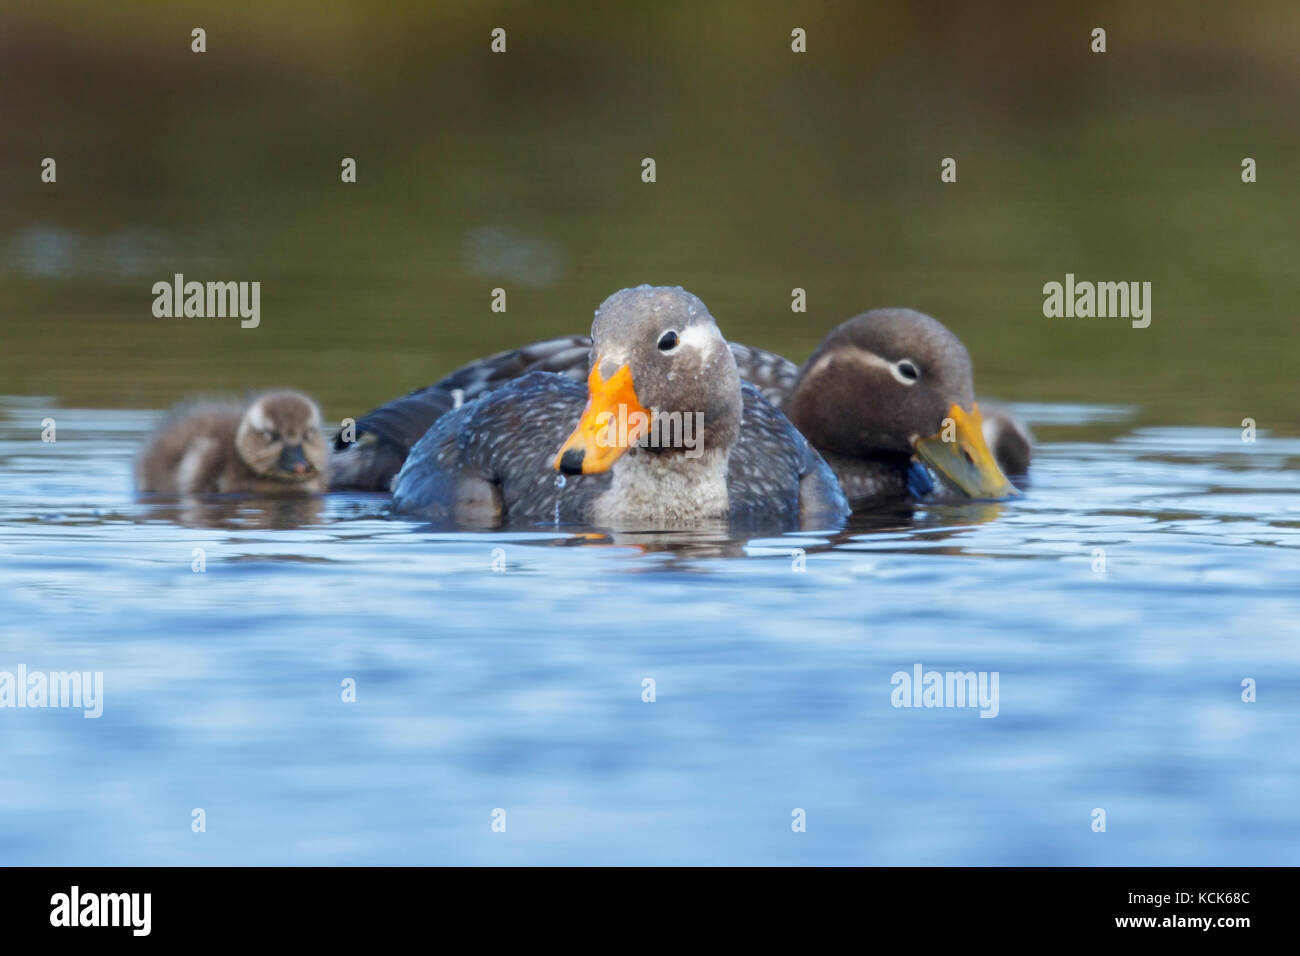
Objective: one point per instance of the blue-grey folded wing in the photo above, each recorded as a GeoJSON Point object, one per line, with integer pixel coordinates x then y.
{"type": "Point", "coordinates": [774, 476]}
{"type": "Point", "coordinates": [385, 435]}
{"type": "Point", "coordinates": [773, 374]}
{"type": "Point", "coordinates": [495, 455]}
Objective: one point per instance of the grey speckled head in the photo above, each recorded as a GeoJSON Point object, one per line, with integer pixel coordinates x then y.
{"type": "Point", "coordinates": [677, 356]}
{"type": "Point", "coordinates": [878, 381]}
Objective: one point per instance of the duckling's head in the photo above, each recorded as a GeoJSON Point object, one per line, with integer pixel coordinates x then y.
{"type": "Point", "coordinates": [661, 380]}
{"type": "Point", "coordinates": [897, 382]}
{"type": "Point", "coordinates": [280, 437]}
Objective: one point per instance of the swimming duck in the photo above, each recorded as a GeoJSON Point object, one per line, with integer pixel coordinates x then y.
{"type": "Point", "coordinates": [654, 440]}
{"type": "Point", "coordinates": [918, 377]}
{"type": "Point", "coordinates": [272, 444]}
{"type": "Point", "coordinates": [876, 390]}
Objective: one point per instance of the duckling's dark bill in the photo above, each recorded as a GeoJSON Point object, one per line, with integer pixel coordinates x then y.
{"type": "Point", "coordinates": [962, 458]}
{"type": "Point", "coordinates": [294, 462]}
{"type": "Point", "coordinates": [613, 421]}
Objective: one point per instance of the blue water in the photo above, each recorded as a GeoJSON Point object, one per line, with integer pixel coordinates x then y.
{"type": "Point", "coordinates": [520, 688]}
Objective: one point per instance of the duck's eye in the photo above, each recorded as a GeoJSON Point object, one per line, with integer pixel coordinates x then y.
{"type": "Point", "coordinates": [269, 436]}
{"type": "Point", "coordinates": [668, 341]}
{"type": "Point", "coordinates": [905, 371]}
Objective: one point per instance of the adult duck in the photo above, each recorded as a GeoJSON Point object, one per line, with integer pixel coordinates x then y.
{"type": "Point", "coordinates": [655, 440]}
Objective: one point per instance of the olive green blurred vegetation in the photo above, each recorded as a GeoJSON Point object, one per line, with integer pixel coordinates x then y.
{"type": "Point", "coordinates": [775, 170]}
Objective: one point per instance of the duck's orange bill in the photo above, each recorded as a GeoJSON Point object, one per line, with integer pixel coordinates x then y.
{"type": "Point", "coordinates": [962, 458]}
{"type": "Point", "coordinates": [613, 421]}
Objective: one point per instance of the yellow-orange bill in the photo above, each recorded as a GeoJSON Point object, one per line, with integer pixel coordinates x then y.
{"type": "Point", "coordinates": [962, 458]}
{"type": "Point", "coordinates": [612, 422]}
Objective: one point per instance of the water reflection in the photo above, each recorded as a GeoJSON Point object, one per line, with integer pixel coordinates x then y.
{"type": "Point", "coordinates": [280, 512]}
{"type": "Point", "coordinates": [935, 520]}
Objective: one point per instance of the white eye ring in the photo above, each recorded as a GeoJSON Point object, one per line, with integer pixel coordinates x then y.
{"type": "Point", "coordinates": [676, 341]}
{"type": "Point", "coordinates": [905, 371]}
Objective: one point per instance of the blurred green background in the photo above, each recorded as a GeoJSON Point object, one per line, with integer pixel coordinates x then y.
{"type": "Point", "coordinates": [522, 170]}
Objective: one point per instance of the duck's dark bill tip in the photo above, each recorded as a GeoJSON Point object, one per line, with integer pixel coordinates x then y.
{"type": "Point", "coordinates": [571, 461]}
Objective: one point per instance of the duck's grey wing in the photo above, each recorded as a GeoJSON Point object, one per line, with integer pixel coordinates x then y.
{"type": "Point", "coordinates": [565, 356]}
{"type": "Point", "coordinates": [491, 460]}
{"type": "Point", "coordinates": [1009, 440]}
{"type": "Point", "coordinates": [773, 374]}
{"type": "Point", "coordinates": [774, 476]}
{"type": "Point", "coordinates": [385, 435]}
{"type": "Point", "coordinates": [821, 500]}
{"type": "Point", "coordinates": [438, 482]}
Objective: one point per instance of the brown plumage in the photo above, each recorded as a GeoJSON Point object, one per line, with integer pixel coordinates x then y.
{"type": "Point", "coordinates": [877, 386]}
{"type": "Point", "coordinates": [272, 444]}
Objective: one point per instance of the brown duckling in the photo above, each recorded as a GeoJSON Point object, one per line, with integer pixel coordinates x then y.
{"type": "Point", "coordinates": [273, 444]}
